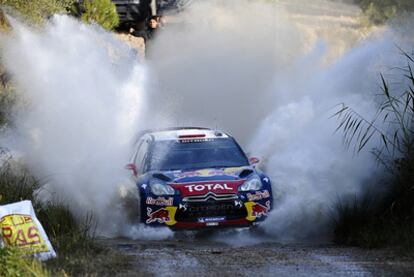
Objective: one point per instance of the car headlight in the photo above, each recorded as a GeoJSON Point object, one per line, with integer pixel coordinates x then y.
{"type": "Point", "coordinates": [159, 188]}
{"type": "Point", "coordinates": [253, 183]}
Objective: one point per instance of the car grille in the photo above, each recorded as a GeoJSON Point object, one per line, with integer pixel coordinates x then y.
{"type": "Point", "coordinates": [193, 211]}
{"type": "Point", "coordinates": [210, 196]}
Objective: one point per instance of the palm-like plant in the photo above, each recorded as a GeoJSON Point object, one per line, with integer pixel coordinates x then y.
{"type": "Point", "coordinates": [393, 123]}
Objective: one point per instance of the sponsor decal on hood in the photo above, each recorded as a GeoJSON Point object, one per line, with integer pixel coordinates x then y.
{"type": "Point", "coordinates": [229, 171]}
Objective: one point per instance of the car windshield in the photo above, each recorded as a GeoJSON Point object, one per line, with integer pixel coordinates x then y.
{"type": "Point", "coordinates": [196, 154]}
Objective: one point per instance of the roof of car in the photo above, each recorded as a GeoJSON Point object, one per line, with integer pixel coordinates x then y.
{"type": "Point", "coordinates": [184, 133]}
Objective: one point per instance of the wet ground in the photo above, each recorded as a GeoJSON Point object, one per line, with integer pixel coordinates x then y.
{"type": "Point", "coordinates": [187, 257]}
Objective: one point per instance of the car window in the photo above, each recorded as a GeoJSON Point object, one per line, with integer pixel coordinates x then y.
{"type": "Point", "coordinates": [137, 148]}
{"type": "Point", "coordinates": [173, 155]}
{"type": "Point", "coordinates": [141, 156]}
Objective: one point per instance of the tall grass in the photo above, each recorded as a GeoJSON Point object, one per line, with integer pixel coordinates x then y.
{"type": "Point", "coordinates": [392, 220]}
{"type": "Point", "coordinates": [73, 238]}
{"type": "Point", "coordinates": [13, 264]}
{"type": "Point", "coordinates": [7, 98]}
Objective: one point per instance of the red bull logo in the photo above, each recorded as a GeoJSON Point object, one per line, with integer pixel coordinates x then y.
{"type": "Point", "coordinates": [160, 201]}
{"type": "Point", "coordinates": [162, 215]}
{"type": "Point", "coordinates": [256, 210]}
{"type": "Point", "coordinates": [258, 195]}
{"type": "Point", "coordinates": [259, 210]}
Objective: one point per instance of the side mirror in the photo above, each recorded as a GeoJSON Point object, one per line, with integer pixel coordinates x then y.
{"type": "Point", "coordinates": [254, 160]}
{"type": "Point", "coordinates": [133, 168]}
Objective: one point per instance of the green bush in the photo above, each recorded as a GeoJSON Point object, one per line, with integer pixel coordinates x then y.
{"type": "Point", "coordinates": [12, 264]}
{"type": "Point", "coordinates": [102, 12]}
{"type": "Point", "coordinates": [379, 11]}
{"type": "Point", "coordinates": [7, 100]}
{"type": "Point", "coordinates": [37, 10]}
{"type": "Point", "coordinates": [379, 15]}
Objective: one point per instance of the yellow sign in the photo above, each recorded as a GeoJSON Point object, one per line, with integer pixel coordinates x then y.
{"type": "Point", "coordinates": [21, 231]}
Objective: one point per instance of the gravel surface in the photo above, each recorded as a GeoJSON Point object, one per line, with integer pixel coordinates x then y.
{"type": "Point", "coordinates": [189, 257]}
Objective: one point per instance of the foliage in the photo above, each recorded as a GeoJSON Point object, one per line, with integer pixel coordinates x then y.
{"type": "Point", "coordinates": [373, 224]}
{"type": "Point", "coordinates": [8, 94]}
{"type": "Point", "coordinates": [393, 218]}
{"type": "Point", "coordinates": [395, 114]}
{"type": "Point", "coordinates": [15, 186]}
{"type": "Point", "coordinates": [37, 10]}
{"type": "Point", "coordinates": [14, 265]}
{"type": "Point", "coordinates": [379, 11]}
{"type": "Point", "coordinates": [73, 239]}
{"type": "Point", "coordinates": [7, 99]}
{"type": "Point", "coordinates": [102, 12]}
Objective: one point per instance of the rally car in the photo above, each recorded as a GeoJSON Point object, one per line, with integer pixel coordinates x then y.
{"type": "Point", "coordinates": [190, 178]}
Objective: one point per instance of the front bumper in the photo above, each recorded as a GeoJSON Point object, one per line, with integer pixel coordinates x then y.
{"type": "Point", "coordinates": [208, 214]}
{"type": "Point", "coordinates": [222, 224]}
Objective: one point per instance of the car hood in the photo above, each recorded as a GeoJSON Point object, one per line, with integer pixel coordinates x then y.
{"type": "Point", "coordinates": [202, 181]}
{"type": "Point", "coordinates": [207, 174]}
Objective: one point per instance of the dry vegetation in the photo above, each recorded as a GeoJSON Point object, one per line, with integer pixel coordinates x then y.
{"type": "Point", "coordinates": [386, 221]}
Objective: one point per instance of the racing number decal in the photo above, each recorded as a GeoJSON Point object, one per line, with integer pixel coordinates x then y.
{"type": "Point", "coordinates": [172, 211]}
{"type": "Point", "coordinates": [256, 210]}
{"type": "Point", "coordinates": [21, 231]}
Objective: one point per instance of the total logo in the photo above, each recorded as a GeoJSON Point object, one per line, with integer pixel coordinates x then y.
{"type": "Point", "coordinates": [210, 187]}
{"type": "Point", "coordinates": [201, 188]}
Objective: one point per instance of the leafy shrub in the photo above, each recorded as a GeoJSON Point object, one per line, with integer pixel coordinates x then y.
{"type": "Point", "coordinates": [7, 100]}
{"type": "Point", "coordinates": [37, 10]}
{"type": "Point", "coordinates": [14, 265]}
{"type": "Point", "coordinates": [102, 12]}
{"type": "Point", "coordinates": [379, 11]}
{"type": "Point", "coordinates": [378, 15]}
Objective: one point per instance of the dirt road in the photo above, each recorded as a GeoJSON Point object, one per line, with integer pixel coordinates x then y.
{"type": "Point", "coordinates": [201, 257]}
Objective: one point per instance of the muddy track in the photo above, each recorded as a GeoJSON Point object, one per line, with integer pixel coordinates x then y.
{"type": "Point", "coordinates": [189, 257]}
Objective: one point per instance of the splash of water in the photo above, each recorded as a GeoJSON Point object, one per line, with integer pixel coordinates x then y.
{"type": "Point", "coordinates": [84, 94]}
{"type": "Point", "coordinates": [243, 66]}
{"type": "Point", "coordinates": [251, 69]}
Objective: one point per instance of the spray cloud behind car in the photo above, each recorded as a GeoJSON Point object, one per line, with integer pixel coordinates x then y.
{"type": "Point", "coordinates": [254, 69]}
{"type": "Point", "coordinates": [83, 92]}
